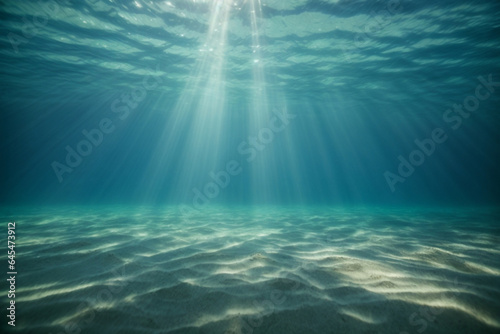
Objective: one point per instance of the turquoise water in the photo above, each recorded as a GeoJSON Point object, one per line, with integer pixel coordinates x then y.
{"type": "Point", "coordinates": [251, 166]}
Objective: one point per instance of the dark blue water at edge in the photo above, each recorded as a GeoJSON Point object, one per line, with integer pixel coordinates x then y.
{"type": "Point", "coordinates": [363, 105]}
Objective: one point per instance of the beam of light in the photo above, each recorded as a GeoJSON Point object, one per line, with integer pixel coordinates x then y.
{"type": "Point", "coordinates": [196, 127]}
{"type": "Point", "coordinates": [203, 131]}
{"type": "Point", "coordinates": [265, 167]}
{"type": "Point", "coordinates": [200, 136]}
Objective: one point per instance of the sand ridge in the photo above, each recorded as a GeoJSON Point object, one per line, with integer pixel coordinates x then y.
{"type": "Point", "coordinates": [240, 271]}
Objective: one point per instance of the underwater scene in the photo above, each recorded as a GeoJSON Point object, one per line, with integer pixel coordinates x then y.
{"type": "Point", "coordinates": [250, 166]}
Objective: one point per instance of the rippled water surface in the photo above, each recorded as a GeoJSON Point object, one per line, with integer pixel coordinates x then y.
{"type": "Point", "coordinates": [184, 87]}
{"type": "Point", "coordinates": [251, 166]}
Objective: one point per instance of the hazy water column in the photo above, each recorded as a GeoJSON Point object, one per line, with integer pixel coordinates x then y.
{"type": "Point", "coordinates": [196, 127]}
{"type": "Point", "coordinates": [261, 136]}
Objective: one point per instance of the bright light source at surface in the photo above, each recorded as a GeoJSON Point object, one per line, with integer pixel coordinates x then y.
{"type": "Point", "coordinates": [207, 114]}
{"type": "Point", "coordinates": [237, 120]}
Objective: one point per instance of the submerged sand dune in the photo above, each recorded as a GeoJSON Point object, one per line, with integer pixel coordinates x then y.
{"type": "Point", "coordinates": [245, 271]}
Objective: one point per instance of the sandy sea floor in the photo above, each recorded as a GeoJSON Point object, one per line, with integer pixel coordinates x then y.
{"type": "Point", "coordinates": [256, 270]}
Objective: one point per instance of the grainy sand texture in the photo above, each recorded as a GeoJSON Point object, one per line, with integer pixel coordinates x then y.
{"type": "Point", "coordinates": [266, 270]}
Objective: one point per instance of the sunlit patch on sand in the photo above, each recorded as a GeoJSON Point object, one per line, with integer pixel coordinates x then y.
{"type": "Point", "coordinates": [277, 270]}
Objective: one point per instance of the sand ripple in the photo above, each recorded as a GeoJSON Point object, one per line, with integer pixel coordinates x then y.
{"type": "Point", "coordinates": [237, 271]}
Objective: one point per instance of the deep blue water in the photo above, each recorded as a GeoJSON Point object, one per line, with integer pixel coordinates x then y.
{"type": "Point", "coordinates": [362, 79]}
{"type": "Point", "coordinates": [250, 166]}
